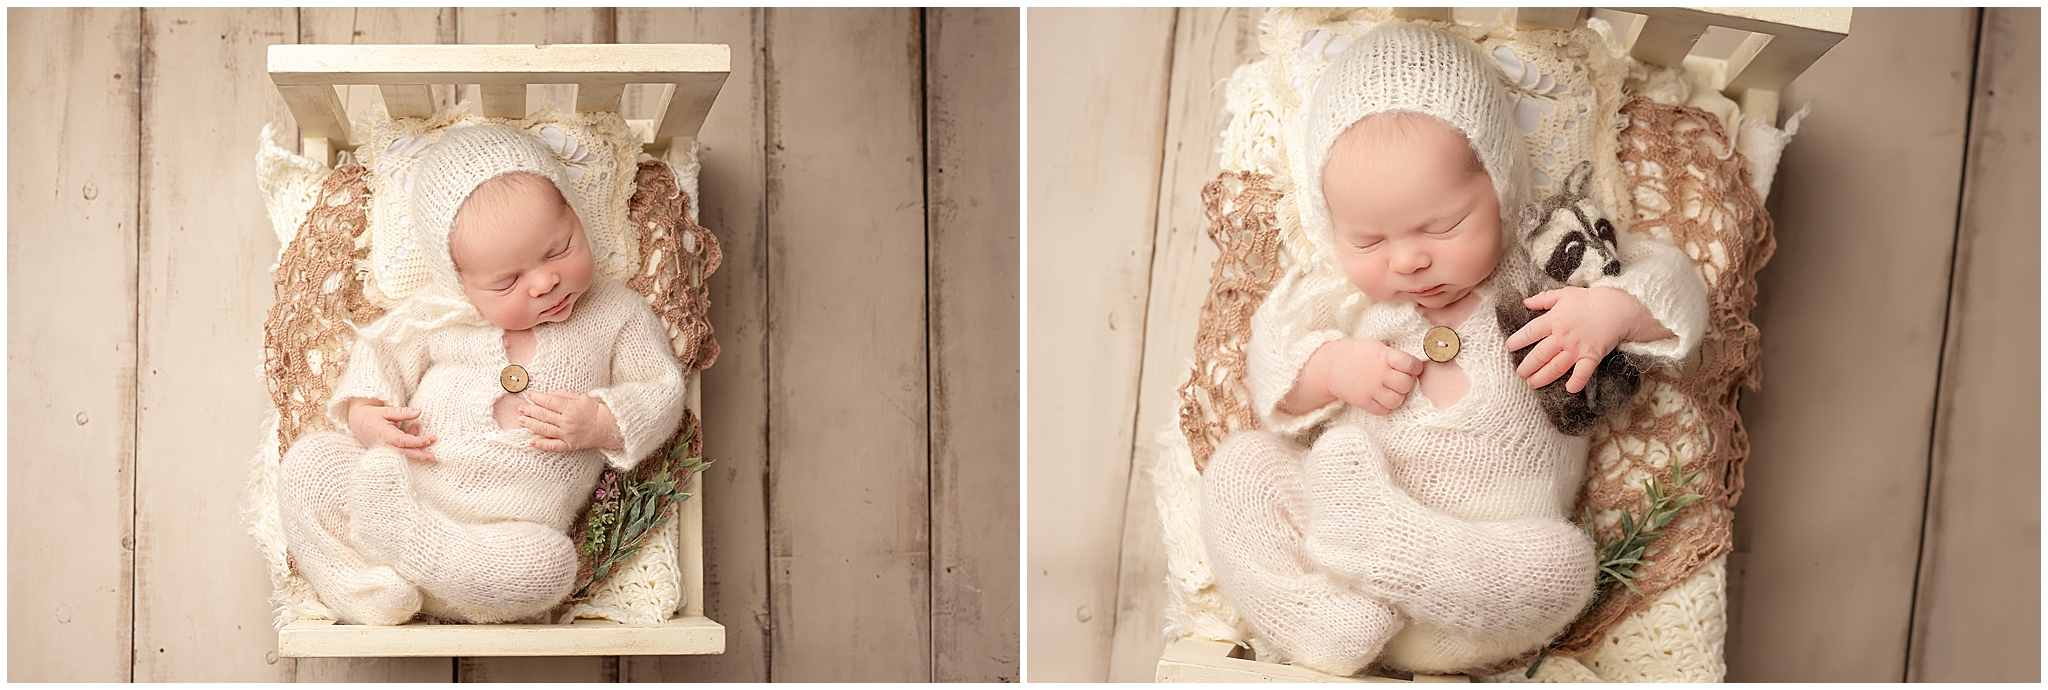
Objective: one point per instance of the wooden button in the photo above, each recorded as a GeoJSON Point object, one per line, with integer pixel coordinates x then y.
{"type": "Point", "coordinates": [513, 378]}
{"type": "Point", "coordinates": [1441, 344]}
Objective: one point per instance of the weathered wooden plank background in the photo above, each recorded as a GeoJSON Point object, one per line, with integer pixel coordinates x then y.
{"type": "Point", "coordinates": [1891, 526]}
{"type": "Point", "coordinates": [861, 173]}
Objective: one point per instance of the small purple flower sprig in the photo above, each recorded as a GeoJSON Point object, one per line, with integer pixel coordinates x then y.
{"type": "Point", "coordinates": [624, 511]}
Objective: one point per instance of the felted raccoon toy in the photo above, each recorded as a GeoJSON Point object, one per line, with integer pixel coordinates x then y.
{"type": "Point", "coordinates": [1567, 240]}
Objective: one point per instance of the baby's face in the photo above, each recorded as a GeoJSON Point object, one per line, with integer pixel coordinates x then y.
{"type": "Point", "coordinates": [1414, 215]}
{"type": "Point", "coordinates": [520, 252]}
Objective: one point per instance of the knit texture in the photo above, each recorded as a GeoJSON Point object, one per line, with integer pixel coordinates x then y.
{"type": "Point", "coordinates": [596, 153]}
{"type": "Point", "coordinates": [1560, 70]}
{"type": "Point", "coordinates": [1453, 513]}
{"type": "Point", "coordinates": [480, 530]}
{"type": "Point", "coordinates": [328, 224]}
{"type": "Point", "coordinates": [1399, 67]}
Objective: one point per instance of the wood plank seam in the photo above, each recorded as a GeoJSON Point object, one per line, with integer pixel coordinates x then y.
{"type": "Point", "coordinates": [144, 75]}
{"type": "Point", "coordinates": [1932, 480]}
{"type": "Point", "coordinates": [1133, 471]}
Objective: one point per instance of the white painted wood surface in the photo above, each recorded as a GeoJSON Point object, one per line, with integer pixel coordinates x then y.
{"type": "Point", "coordinates": [1851, 309]}
{"type": "Point", "coordinates": [204, 249]}
{"type": "Point", "coordinates": [733, 190]}
{"type": "Point", "coordinates": [972, 169]}
{"type": "Point", "coordinates": [1208, 44]}
{"type": "Point", "coordinates": [848, 531]}
{"type": "Point", "coordinates": [71, 213]}
{"type": "Point", "coordinates": [200, 257]}
{"type": "Point", "coordinates": [1980, 559]}
{"type": "Point", "coordinates": [1096, 132]}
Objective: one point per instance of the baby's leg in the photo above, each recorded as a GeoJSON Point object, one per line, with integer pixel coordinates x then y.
{"type": "Point", "coordinates": [484, 573]}
{"type": "Point", "coordinates": [1518, 578]}
{"type": "Point", "coordinates": [1252, 502]}
{"type": "Point", "coordinates": [313, 492]}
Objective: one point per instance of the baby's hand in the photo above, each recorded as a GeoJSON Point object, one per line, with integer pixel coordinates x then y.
{"type": "Point", "coordinates": [372, 423]}
{"type": "Point", "coordinates": [1372, 376]}
{"type": "Point", "coordinates": [568, 420]}
{"type": "Point", "coordinates": [1579, 328]}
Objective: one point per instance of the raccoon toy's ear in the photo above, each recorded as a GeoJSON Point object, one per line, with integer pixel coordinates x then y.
{"type": "Point", "coordinates": [1528, 221]}
{"type": "Point", "coordinates": [1580, 181]}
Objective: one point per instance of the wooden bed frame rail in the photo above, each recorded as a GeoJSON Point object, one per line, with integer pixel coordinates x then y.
{"type": "Point", "coordinates": [306, 75]}
{"type": "Point", "coordinates": [1782, 41]}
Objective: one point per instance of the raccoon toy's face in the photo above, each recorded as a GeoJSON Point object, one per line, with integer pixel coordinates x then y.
{"type": "Point", "coordinates": [1574, 244]}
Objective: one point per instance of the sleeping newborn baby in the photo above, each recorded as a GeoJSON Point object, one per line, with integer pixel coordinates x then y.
{"type": "Point", "coordinates": [1427, 525]}
{"type": "Point", "coordinates": [481, 410]}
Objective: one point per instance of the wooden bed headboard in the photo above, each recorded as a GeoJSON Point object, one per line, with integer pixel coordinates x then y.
{"type": "Point", "coordinates": [307, 74]}
{"type": "Point", "coordinates": [1781, 42]}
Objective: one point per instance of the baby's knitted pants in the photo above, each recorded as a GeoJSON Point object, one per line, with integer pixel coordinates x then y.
{"type": "Point", "coordinates": [1335, 565]}
{"type": "Point", "coordinates": [376, 555]}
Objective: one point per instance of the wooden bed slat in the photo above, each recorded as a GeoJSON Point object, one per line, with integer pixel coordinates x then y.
{"type": "Point", "coordinates": [408, 100]}
{"type": "Point", "coordinates": [1665, 42]}
{"type": "Point", "coordinates": [600, 97]}
{"type": "Point", "coordinates": [1549, 17]}
{"type": "Point", "coordinates": [318, 111]}
{"type": "Point", "coordinates": [504, 100]}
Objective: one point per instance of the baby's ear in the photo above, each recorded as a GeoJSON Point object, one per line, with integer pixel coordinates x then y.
{"type": "Point", "coordinates": [1580, 181]}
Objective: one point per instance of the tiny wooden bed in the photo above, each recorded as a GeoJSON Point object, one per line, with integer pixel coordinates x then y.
{"type": "Point", "coordinates": [1780, 44]}
{"type": "Point", "coordinates": [691, 74]}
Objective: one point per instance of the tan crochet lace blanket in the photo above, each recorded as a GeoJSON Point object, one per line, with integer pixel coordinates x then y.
{"type": "Point", "coordinates": [319, 288]}
{"type": "Point", "coordinates": [1691, 189]}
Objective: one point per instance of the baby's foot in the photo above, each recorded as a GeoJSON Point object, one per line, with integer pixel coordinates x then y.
{"type": "Point", "coordinates": [374, 596]}
{"type": "Point", "coordinates": [1328, 627]}
{"type": "Point", "coordinates": [382, 505]}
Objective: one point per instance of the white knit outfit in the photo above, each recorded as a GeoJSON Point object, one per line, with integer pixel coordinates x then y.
{"type": "Point", "coordinates": [1432, 539]}
{"type": "Point", "coordinates": [477, 534]}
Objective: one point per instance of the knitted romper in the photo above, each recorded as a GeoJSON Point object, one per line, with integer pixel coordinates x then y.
{"type": "Point", "coordinates": [1433, 538]}
{"type": "Point", "coordinates": [478, 534]}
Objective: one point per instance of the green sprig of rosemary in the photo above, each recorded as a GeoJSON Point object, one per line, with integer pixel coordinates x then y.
{"type": "Point", "coordinates": [625, 511]}
{"type": "Point", "coordinates": [1619, 557]}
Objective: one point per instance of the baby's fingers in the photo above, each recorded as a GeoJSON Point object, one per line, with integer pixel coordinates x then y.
{"type": "Point", "coordinates": [1401, 382]}
{"type": "Point", "coordinates": [1536, 329]}
{"type": "Point", "coordinates": [1556, 367]}
{"type": "Point", "coordinates": [416, 454]}
{"type": "Point", "coordinates": [1581, 374]}
{"type": "Point", "coordinates": [542, 428]}
{"type": "Point", "coordinates": [1544, 351]}
{"type": "Point", "coordinates": [410, 440]}
{"type": "Point", "coordinates": [1389, 399]}
{"type": "Point", "coordinates": [1404, 362]}
{"type": "Point", "coordinates": [554, 444]}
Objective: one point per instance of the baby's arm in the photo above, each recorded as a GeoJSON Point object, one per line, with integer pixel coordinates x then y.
{"type": "Point", "coordinates": [1291, 380]}
{"type": "Point", "coordinates": [1368, 374]}
{"type": "Point", "coordinates": [369, 397]}
{"type": "Point", "coordinates": [1656, 308]}
{"type": "Point", "coordinates": [640, 410]}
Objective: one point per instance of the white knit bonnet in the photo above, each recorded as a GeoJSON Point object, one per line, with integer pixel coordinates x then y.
{"type": "Point", "coordinates": [464, 159]}
{"type": "Point", "coordinates": [1400, 66]}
